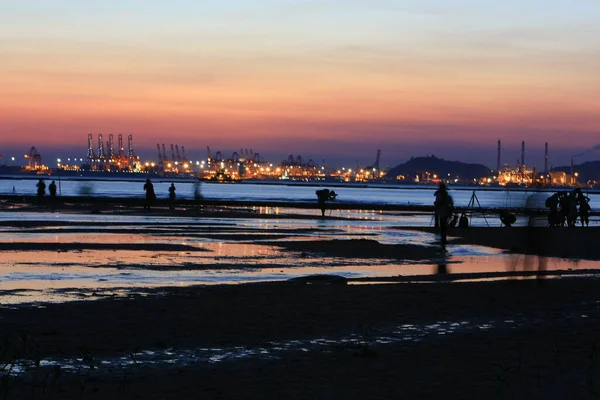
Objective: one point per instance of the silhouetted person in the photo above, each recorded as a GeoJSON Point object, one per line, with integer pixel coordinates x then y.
{"type": "Point", "coordinates": [172, 196]}
{"type": "Point", "coordinates": [52, 190]}
{"type": "Point", "coordinates": [436, 224]}
{"type": "Point", "coordinates": [552, 203]}
{"type": "Point", "coordinates": [572, 210]}
{"type": "Point", "coordinates": [150, 195]}
{"type": "Point", "coordinates": [584, 208]}
{"type": "Point", "coordinates": [564, 207]}
{"type": "Point", "coordinates": [463, 221]}
{"type": "Point", "coordinates": [323, 196]}
{"type": "Point", "coordinates": [507, 218]}
{"type": "Point", "coordinates": [41, 190]}
{"type": "Point", "coordinates": [443, 206]}
{"type": "Point", "coordinates": [197, 194]}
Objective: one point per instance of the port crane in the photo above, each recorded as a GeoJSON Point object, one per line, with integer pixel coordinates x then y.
{"type": "Point", "coordinates": [34, 159]}
{"type": "Point", "coordinates": [375, 165]}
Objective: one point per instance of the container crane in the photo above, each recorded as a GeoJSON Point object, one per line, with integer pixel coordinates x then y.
{"type": "Point", "coordinates": [160, 158]}
{"type": "Point", "coordinates": [130, 153]}
{"type": "Point", "coordinates": [183, 154]}
{"type": "Point", "coordinates": [90, 151]}
{"type": "Point", "coordinates": [376, 165]}
{"type": "Point", "coordinates": [100, 147]}
{"type": "Point", "coordinates": [111, 148]}
{"type": "Point", "coordinates": [164, 154]}
{"type": "Point", "coordinates": [121, 148]}
{"type": "Point", "coordinates": [34, 159]}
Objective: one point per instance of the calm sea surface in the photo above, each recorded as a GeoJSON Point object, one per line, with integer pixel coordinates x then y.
{"type": "Point", "coordinates": [359, 194]}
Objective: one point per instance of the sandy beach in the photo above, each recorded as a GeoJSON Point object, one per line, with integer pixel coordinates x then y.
{"type": "Point", "coordinates": [523, 336]}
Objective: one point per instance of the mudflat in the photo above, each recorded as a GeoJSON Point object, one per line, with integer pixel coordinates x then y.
{"type": "Point", "coordinates": [527, 338]}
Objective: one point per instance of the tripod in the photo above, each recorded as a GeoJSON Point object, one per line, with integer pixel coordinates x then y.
{"type": "Point", "coordinates": [471, 207]}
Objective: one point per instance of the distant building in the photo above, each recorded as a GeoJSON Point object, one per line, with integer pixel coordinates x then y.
{"type": "Point", "coordinates": [559, 178]}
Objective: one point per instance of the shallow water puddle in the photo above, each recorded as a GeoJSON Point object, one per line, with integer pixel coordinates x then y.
{"type": "Point", "coordinates": [237, 259]}
{"type": "Point", "coordinates": [38, 284]}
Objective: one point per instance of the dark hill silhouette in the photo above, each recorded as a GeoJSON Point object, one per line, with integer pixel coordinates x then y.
{"type": "Point", "coordinates": [420, 165]}
{"type": "Point", "coordinates": [588, 171]}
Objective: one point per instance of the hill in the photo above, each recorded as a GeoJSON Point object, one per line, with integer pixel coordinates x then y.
{"type": "Point", "coordinates": [588, 171]}
{"type": "Point", "coordinates": [443, 168]}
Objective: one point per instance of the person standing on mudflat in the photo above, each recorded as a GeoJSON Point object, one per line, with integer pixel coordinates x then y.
{"type": "Point", "coordinates": [52, 190]}
{"type": "Point", "coordinates": [584, 207]}
{"type": "Point", "coordinates": [41, 190]}
{"type": "Point", "coordinates": [443, 207]}
{"type": "Point", "coordinates": [172, 196]}
{"type": "Point", "coordinates": [150, 195]}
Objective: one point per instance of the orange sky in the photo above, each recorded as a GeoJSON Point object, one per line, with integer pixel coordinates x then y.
{"type": "Point", "coordinates": [428, 79]}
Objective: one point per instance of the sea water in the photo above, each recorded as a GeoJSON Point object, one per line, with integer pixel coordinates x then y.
{"type": "Point", "coordinates": [367, 194]}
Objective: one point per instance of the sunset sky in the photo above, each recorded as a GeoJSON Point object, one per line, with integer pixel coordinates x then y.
{"type": "Point", "coordinates": [327, 79]}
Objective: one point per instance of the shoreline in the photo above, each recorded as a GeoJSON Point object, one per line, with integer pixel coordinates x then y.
{"type": "Point", "coordinates": [315, 183]}
{"type": "Point", "coordinates": [99, 204]}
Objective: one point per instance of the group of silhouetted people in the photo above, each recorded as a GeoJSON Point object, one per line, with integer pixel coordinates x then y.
{"type": "Point", "coordinates": [41, 191]}
{"type": "Point", "coordinates": [151, 195]}
{"type": "Point", "coordinates": [565, 208]}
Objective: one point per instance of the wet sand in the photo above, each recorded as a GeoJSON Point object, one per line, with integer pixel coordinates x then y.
{"type": "Point", "coordinates": [535, 338]}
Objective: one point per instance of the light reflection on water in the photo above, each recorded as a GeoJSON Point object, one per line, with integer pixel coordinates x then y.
{"type": "Point", "coordinates": [77, 282]}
